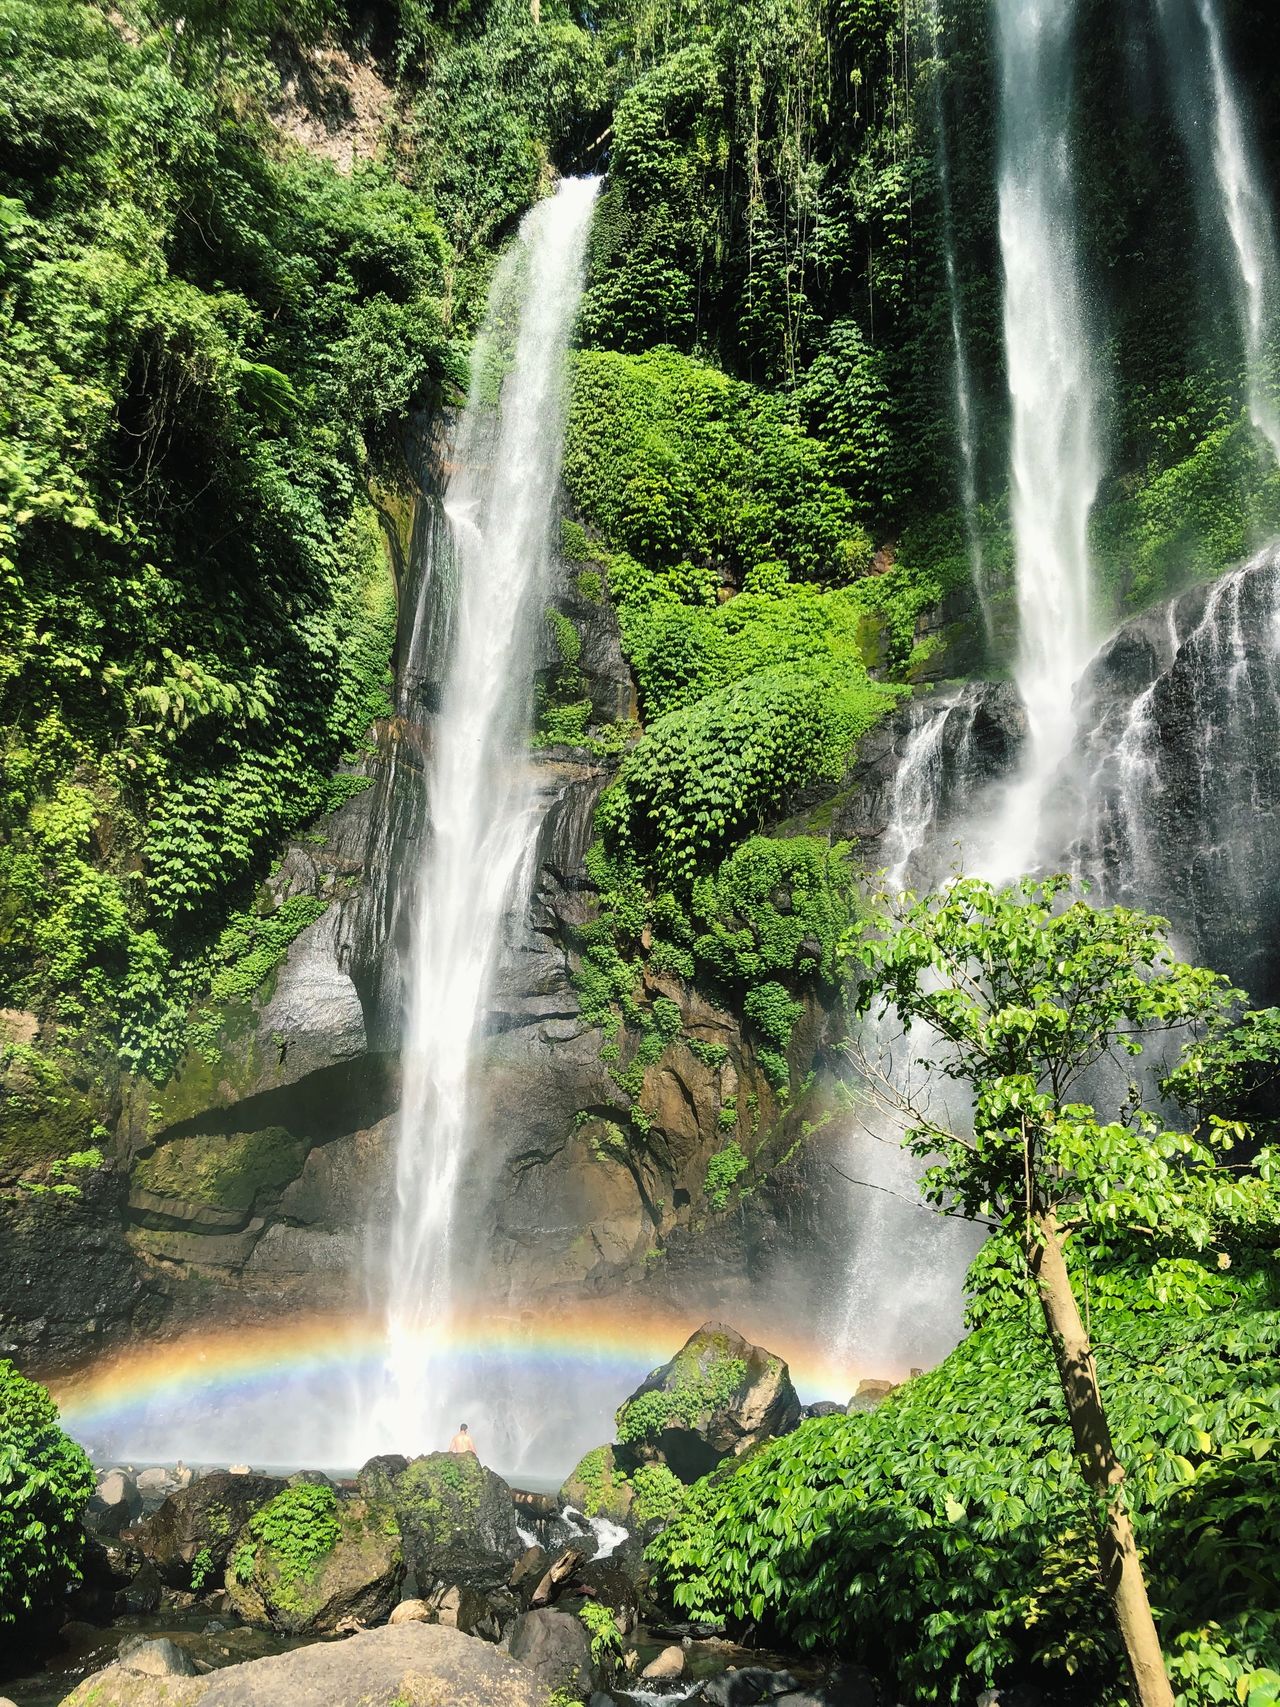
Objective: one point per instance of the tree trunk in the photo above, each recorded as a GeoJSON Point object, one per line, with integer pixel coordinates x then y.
{"type": "Point", "coordinates": [1117, 1551]}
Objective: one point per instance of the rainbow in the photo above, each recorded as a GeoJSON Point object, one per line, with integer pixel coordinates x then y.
{"type": "Point", "coordinates": [203, 1372]}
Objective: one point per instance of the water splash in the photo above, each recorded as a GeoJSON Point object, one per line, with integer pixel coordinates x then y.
{"type": "Point", "coordinates": [1054, 456]}
{"type": "Point", "coordinates": [1234, 196]}
{"type": "Point", "coordinates": [481, 824]}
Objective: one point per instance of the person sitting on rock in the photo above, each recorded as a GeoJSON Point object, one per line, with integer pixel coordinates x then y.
{"type": "Point", "coordinates": [462, 1441]}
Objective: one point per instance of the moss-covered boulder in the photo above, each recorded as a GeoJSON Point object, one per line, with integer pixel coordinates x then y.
{"type": "Point", "coordinates": [598, 1486]}
{"type": "Point", "coordinates": [189, 1539]}
{"type": "Point", "coordinates": [457, 1518]}
{"type": "Point", "coordinates": [307, 1559]}
{"type": "Point", "coordinates": [717, 1398]}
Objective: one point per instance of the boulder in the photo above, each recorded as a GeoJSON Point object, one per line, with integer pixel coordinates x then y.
{"type": "Point", "coordinates": [717, 1398]}
{"type": "Point", "coordinates": [869, 1394]}
{"type": "Point", "coordinates": [668, 1665]}
{"type": "Point", "coordinates": [189, 1538]}
{"type": "Point", "coordinates": [414, 1665]}
{"type": "Point", "coordinates": [597, 1486]}
{"type": "Point", "coordinates": [309, 1561]}
{"type": "Point", "coordinates": [613, 1584]}
{"type": "Point", "coordinates": [556, 1648]}
{"type": "Point", "coordinates": [159, 1658]}
{"type": "Point", "coordinates": [114, 1503]}
{"type": "Point", "coordinates": [749, 1686]}
{"type": "Point", "coordinates": [411, 1612]}
{"type": "Point", "coordinates": [456, 1518]}
{"type": "Point", "coordinates": [143, 1593]}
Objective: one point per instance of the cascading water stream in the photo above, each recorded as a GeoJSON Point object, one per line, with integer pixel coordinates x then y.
{"type": "Point", "coordinates": [481, 815]}
{"type": "Point", "coordinates": [961, 380]}
{"type": "Point", "coordinates": [1232, 194]}
{"type": "Point", "coordinates": [1054, 458]}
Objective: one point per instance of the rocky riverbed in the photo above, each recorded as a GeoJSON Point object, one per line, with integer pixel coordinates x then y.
{"type": "Point", "coordinates": [232, 1585]}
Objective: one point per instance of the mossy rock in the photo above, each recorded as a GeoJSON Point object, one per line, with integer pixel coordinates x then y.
{"type": "Point", "coordinates": [200, 1523]}
{"type": "Point", "coordinates": [598, 1486]}
{"type": "Point", "coordinates": [458, 1519]}
{"type": "Point", "coordinates": [307, 1559]}
{"type": "Point", "coordinates": [718, 1397]}
{"type": "Point", "coordinates": [230, 1173]}
{"type": "Point", "coordinates": [44, 1115]}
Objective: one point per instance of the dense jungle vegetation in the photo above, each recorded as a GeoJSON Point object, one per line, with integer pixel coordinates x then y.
{"type": "Point", "coordinates": [212, 345]}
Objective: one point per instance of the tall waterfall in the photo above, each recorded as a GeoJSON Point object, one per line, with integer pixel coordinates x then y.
{"type": "Point", "coordinates": [1234, 194]}
{"type": "Point", "coordinates": [481, 816]}
{"type": "Point", "coordinates": [961, 379]}
{"type": "Point", "coordinates": [1054, 455]}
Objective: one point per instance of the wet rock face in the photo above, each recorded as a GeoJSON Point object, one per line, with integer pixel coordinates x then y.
{"type": "Point", "coordinates": [718, 1397]}
{"type": "Point", "coordinates": [1173, 800]}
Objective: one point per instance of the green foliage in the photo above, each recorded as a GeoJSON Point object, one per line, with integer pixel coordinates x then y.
{"type": "Point", "coordinates": [701, 1384]}
{"type": "Point", "coordinates": [495, 105]}
{"type": "Point", "coordinates": [201, 1569]}
{"type": "Point", "coordinates": [674, 462]}
{"type": "Point", "coordinates": [45, 1483]}
{"type": "Point", "coordinates": [606, 1638]}
{"type": "Point", "coordinates": [703, 778]}
{"type": "Point", "coordinates": [198, 609]}
{"type": "Point", "coordinates": [659, 1494]}
{"type": "Point", "coordinates": [943, 1538]}
{"type": "Point", "coordinates": [1025, 992]}
{"type": "Point", "coordinates": [296, 1529]}
{"type": "Point", "coordinates": [724, 1169]}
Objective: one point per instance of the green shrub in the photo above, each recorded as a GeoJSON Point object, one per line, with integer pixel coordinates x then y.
{"type": "Point", "coordinates": [942, 1538]}
{"type": "Point", "coordinates": [45, 1484]}
{"type": "Point", "coordinates": [673, 461]}
{"type": "Point", "coordinates": [724, 1170]}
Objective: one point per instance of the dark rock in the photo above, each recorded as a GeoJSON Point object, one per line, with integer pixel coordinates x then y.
{"type": "Point", "coordinates": [200, 1522]}
{"type": "Point", "coordinates": [717, 1398]}
{"type": "Point", "coordinates": [143, 1593]}
{"type": "Point", "coordinates": [822, 1408]}
{"type": "Point", "coordinates": [748, 1686]}
{"type": "Point", "coordinates": [851, 1686]}
{"type": "Point", "coordinates": [376, 1479]}
{"type": "Point", "coordinates": [415, 1665]}
{"type": "Point", "coordinates": [156, 1658]}
{"type": "Point", "coordinates": [356, 1576]}
{"type": "Point", "coordinates": [486, 1613]}
{"type": "Point", "coordinates": [556, 1648]}
{"type": "Point", "coordinates": [456, 1517]}
{"type": "Point", "coordinates": [610, 1582]}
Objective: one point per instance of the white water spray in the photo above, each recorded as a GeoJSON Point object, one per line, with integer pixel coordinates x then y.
{"type": "Point", "coordinates": [1239, 199]}
{"type": "Point", "coordinates": [1054, 456]}
{"type": "Point", "coordinates": [481, 815]}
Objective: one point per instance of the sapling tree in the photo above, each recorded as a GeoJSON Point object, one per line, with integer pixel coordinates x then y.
{"type": "Point", "coordinates": [1028, 999]}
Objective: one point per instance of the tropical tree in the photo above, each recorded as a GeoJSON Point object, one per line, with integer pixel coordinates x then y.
{"type": "Point", "coordinates": [1028, 1000]}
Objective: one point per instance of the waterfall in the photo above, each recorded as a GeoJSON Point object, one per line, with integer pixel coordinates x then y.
{"type": "Point", "coordinates": [1171, 801]}
{"type": "Point", "coordinates": [1234, 195]}
{"type": "Point", "coordinates": [961, 381]}
{"type": "Point", "coordinates": [1054, 456]}
{"type": "Point", "coordinates": [482, 818]}
{"type": "Point", "coordinates": [899, 1301]}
